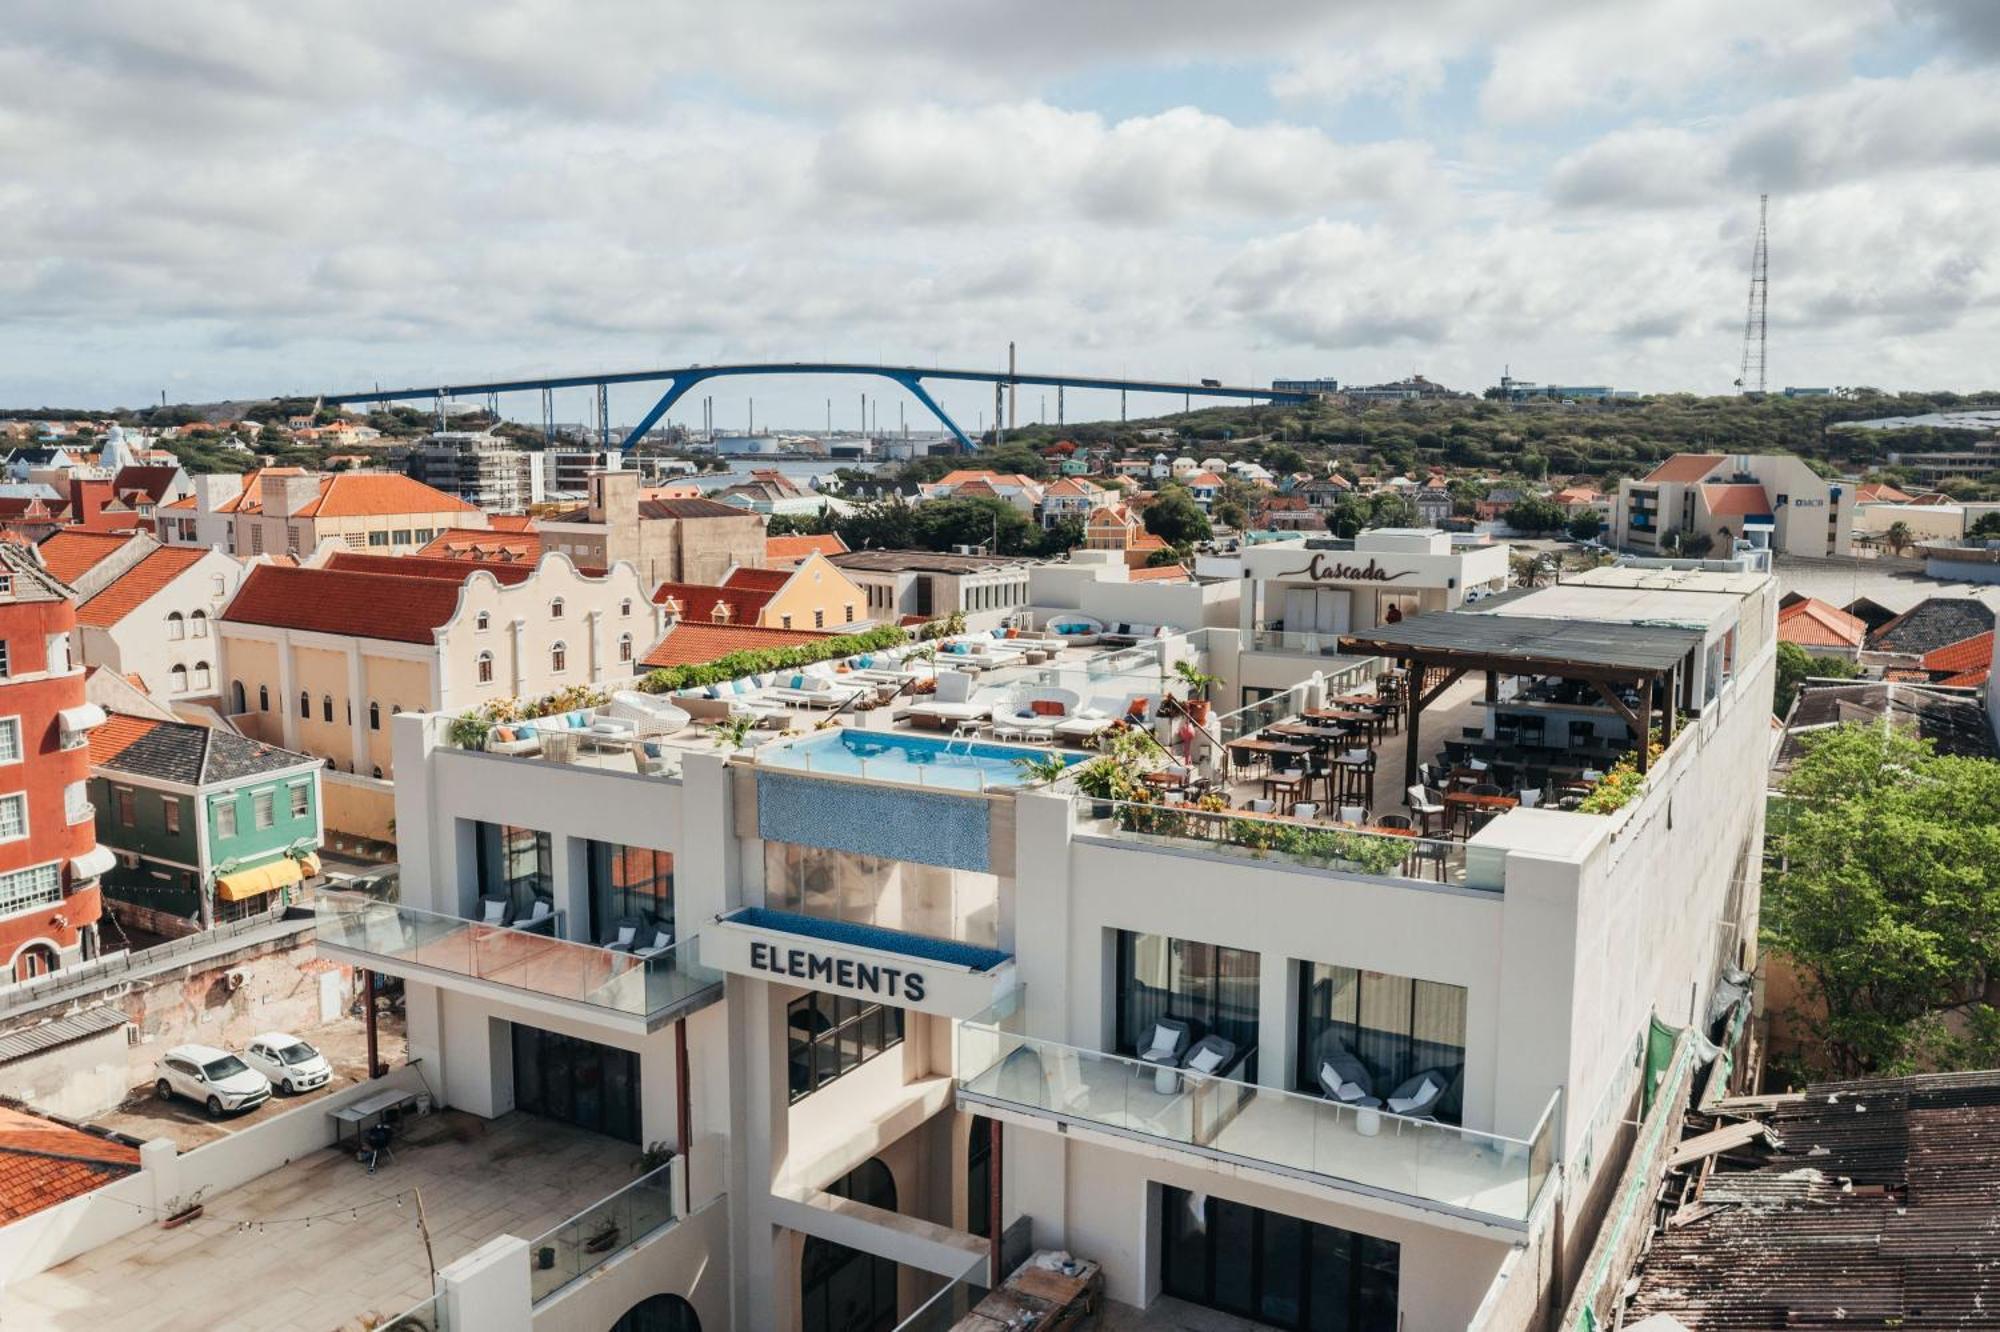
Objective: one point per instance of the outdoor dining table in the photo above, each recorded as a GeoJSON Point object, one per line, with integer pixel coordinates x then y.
{"type": "Point", "coordinates": [1370, 721]}
{"type": "Point", "coordinates": [1263, 749]}
{"type": "Point", "coordinates": [1465, 805]}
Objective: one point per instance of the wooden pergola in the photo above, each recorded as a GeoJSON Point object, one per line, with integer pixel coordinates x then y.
{"type": "Point", "coordinates": [1655, 661]}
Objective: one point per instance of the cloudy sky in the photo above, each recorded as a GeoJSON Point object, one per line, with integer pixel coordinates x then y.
{"type": "Point", "coordinates": [240, 198]}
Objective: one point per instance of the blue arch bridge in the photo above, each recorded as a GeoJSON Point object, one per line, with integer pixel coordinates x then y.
{"type": "Point", "coordinates": [912, 377]}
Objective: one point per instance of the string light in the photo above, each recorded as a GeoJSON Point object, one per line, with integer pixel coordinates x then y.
{"type": "Point", "coordinates": [242, 1225]}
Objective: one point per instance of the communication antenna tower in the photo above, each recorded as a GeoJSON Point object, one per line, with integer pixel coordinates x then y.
{"type": "Point", "coordinates": [1751, 380]}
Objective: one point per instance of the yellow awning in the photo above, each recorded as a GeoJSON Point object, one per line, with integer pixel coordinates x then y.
{"type": "Point", "coordinates": [263, 879]}
{"type": "Point", "coordinates": [309, 864]}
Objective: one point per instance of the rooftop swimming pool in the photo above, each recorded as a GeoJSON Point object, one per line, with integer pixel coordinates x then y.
{"type": "Point", "coordinates": [912, 760]}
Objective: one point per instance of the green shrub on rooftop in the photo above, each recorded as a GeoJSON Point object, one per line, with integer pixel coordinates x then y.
{"type": "Point", "coordinates": [736, 665]}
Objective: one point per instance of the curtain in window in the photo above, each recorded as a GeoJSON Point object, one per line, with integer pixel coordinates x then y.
{"type": "Point", "coordinates": [1397, 1026]}
{"type": "Point", "coordinates": [629, 883]}
{"type": "Point", "coordinates": [1210, 987]}
{"type": "Point", "coordinates": [515, 863]}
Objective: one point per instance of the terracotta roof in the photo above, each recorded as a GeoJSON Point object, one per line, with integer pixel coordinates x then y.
{"type": "Point", "coordinates": [1880, 493]}
{"type": "Point", "coordinates": [758, 580]}
{"type": "Point", "coordinates": [71, 552]}
{"type": "Point", "coordinates": [1684, 467]}
{"type": "Point", "coordinates": [337, 601]}
{"type": "Point", "coordinates": [151, 479]}
{"type": "Point", "coordinates": [512, 522]}
{"type": "Point", "coordinates": [366, 494]}
{"type": "Point", "coordinates": [699, 600]}
{"type": "Point", "coordinates": [420, 566]}
{"type": "Point", "coordinates": [1814, 623]}
{"type": "Point", "coordinates": [1165, 573]}
{"type": "Point", "coordinates": [131, 589]}
{"type": "Point", "coordinates": [1965, 679]}
{"type": "Point", "coordinates": [664, 508]}
{"type": "Point", "coordinates": [692, 642]}
{"type": "Point", "coordinates": [1071, 486]}
{"type": "Point", "coordinates": [478, 543]}
{"type": "Point", "coordinates": [1968, 654]}
{"type": "Point", "coordinates": [798, 547]}
{"type": "Point", "coordinates": [43, 1163]}
{"type": "Point", "coordinates": [1203, 479]}
{"type": "Point", "coordinates": [1736, 500]}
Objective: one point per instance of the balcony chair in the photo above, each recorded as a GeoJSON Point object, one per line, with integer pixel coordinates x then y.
{"type": "Point", "coordinates": [1345, 1080]}
{"type": "Point", "coordinates": [1305, 809]}
{"type": "Point", "coordinates": [628, 932]}
{"type": "Point", "coordinates": [1356, 814]}
{"type": "Point", "coordinates": [543, 910]}
{"type": "Point", "coordinates": [1169, 1042]}
{"type": "Point", "coordinates": [663, 939]}
{"type": "Point", "coordinates": [1400, 822]}
{"type": "Point", "coordinates": [1424, 803]}
{"type": "Point", "coordinates": [1418, 1097]}
{"type": "Point", "coordinates": [1261, 806]}
{"type": "Point", "coordinates": [1432, 851]}
{"type": "Point", "coordinates": [1209, 1055]}
{"type": "Point", "coordinates": [495, 911]}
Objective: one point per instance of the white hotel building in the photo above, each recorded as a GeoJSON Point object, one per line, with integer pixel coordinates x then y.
{"type": "Point", "coordinates": [901, 1027]}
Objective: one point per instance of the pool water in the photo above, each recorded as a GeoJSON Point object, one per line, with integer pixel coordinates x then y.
{"type": "Point", "coordinates": [914, 760]}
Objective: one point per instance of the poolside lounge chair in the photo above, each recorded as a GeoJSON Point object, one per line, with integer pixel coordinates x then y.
{"type": "Point", "coordinates": [1167, 1043]}
{"type": "Point", "coordinates": [952, 704]}
{"type": "Point", "coordinates": [650, 714]}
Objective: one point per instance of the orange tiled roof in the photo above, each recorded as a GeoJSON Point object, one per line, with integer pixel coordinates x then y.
{"type": "Point", "coordinates": [72, 552]}
{"type": "Point", "coordinates": [120, 732]}
{"type": "Point", "coordinates": [758, 580]}
{"type": "Point", "coordinates": [420, 566]}
{"type": "Point", "coordinates": [512, 522]}
{"type": "Point", "coordinates": [1736, 500]}
{"type": "Point", "coordinates": [131, 589]}
{"type": "Point", "coordinates": [43, 1163]}
{"type": "Point", "coordinates": [798, 547]}
{"type": "Point", "coordinates": [1165, 573]}
{"type": "Point", "coordinates": [1880, 492]}
{"type": "Point", "coordinates": [1967, 654]}
{"type": "Point", "coordinates": [352, 495]}
{"type": "Point", "coordinates": [1815, 623]}
{"type": "Point", "coordinates": [1684, 467]}
{"type": "Point", "coordinates": [698, 601]}
{"type": "Point", "coordinates": [499, 545]}
{"type": "Point", "coordinates": [339, 601]}
{"type": "Point", "coordinates": [692, 642]}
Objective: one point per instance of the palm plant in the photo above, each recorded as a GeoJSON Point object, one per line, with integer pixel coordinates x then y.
{"type": "Point", "coordinates": [1899, 536]}
{"type": "Point", "coordinates": [1042, 769]}
{"type": "Point", "coordinates": [733, 731]}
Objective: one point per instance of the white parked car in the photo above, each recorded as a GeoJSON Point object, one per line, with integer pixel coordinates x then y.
{"type": "Point", "coordinates": [291, 1064]}
{"type": "Point", "coordinates": [216, 1079]}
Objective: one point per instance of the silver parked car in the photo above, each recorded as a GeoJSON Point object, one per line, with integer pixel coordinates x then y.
{"type": "Point", "coordinates": [216, 1079]}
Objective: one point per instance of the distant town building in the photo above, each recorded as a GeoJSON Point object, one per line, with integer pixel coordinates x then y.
{"type": "Point", "coordinates": [1317, 387]}
{"type": "Point", "coordinates": [927, 585]}
{"type": "Point", "coordinates": [1774, 502]}
{"type": "Point", "coordinates": [155, 620]}
{"type": "Point", "coordinates": [289, 511]}
{"type": "Point", "coordinates": [811, 594]}
{"type": "Point", "coordinates": [667, 541]}
{"type": "Point", "coordinates": [1414, 389]}
{"type": "Point", "coordinates": [487, 471]}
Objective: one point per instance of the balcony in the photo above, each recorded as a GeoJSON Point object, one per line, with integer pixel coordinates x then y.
{"type": "Point", "coordinates": [1310, 844]}
{"type": "Point", "coordinates": [1481, 1177]}
{"type": "Point", "coordinates": [1326, 644]}
{"type": "Point", "coordinates": [599, 984]}
{"type": "Point", "coordinates": [602, 1231]}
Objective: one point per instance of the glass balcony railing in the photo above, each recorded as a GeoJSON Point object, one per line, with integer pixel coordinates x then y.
{"type": "Point", "coordinates": [1284, 841]}
{"type": "Point", "coordinates": [396, 938]}
{"type": "Point", "coordinates": [1313, 644]}
{"type": "Point", "coordinates": [947, 1310]}
{"type": "Point", "coordinates": [425, 1317]}
{"type": "Point", "coordinates": [600, 1232]}
{"type": "Point", "coordinates": [1482, 1175]}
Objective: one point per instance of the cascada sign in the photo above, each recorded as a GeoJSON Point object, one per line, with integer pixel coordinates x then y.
{"type": "Point", "coordinates": [885, 982]}
{"type": "Point", "coordinates": [1319, 569]}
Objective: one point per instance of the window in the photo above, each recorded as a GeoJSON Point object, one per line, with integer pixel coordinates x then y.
{"type": "Point", "coordinates": [849, 609]}
{"type": "Point", "coordinates": [625, 608]}
{"type": "Point", "coordinates": [305, 705]}
{"type": "Point", "coordinates": [14, 816]}
{"type": "Point", "coordinates": [57, 648]}
{"type": "Point", "coordinates": [374, 716]}
{"type": "Point", "coordinates": [264, 809]}
{"type": "Point", "coordinates": [225, 817]}
{"type": "Point", "coordinates": [625, 647]}
{"type": "Point", "coordinates": [517, 864]}
{"type": "Point", "coordinates": [301, 799]}
{"type": "Point", "coordinates": [784, 621]}
{"type": "Point", "coordinates": [291, 539]}
{"type": "Point", "coordinates": [819, 619]}
{"type": "Point", "coordinates": [24, 888]}
{"type": "Point", "coordinates": [202, 675]}
{"type": "Point", "coordinates": [170, 814]}
{"type": "Point", "coordinates": [1396, 1026]}
{"type": "Point", "coordinates": [10, 739]}
{"type": "Point", "coordinates": [627, 884]}
{"type": "Point", "coordinates": [1212, 989]}
{"type": "Point", "coordinates": [482, 621]}
{"type": "Point", "coordinates": [3, 658]}
{"type": "Point", "coordinates": [257, 540]}
{"type": "Point", "coordinates": [1277, 1269]}
{"type": "Point", "coordinates": [559, 657]}
{"type": "Point", "coordinates": [404, 536]}
{"type": "Point", "coordinates": [326, 707]}
{"type": "Point", "coordinates": [263, 698]}
{"type": "Point", "coordinates": [237, 703]}
{"type": "Point", "coordinates": [484, 664]}
{"type": "Point", "coordinates": [176, 627]}
{"type": "Point", "coordinates": [829, 1035]}
{"type": "Point", "coordinates": [378, 538]}
{"type": "Point", "coordinates": [843, 1289]}
{"type": "Point", "coordinates": [76, 804]}
{"type": "Point", "coordinates": [216, 586]}
{"type": "Point", "coordinates": [198, 623]}
{"type": "Point", "coordinates": [177, 680]}
{"type": "Point", "coordinates": [556, 609]}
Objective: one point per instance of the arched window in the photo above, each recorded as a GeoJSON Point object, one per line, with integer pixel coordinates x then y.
{"type": "Point", "coordinates": [263, 698]}
{"type": "Point", "coordinates": [201, 675]}
{"type": "Point", "coordinates": [559, 657]}
{"type": "Point", "coordinates": [326, 707]}
{"type": "Point", "coordinates": [305, 706]}
{"type": "Point", "coordinates": [180, 679]}
{"type": "Point", "coordinates": [482, 621]}
{"type": "Point", "coordinates": [624, 647]}
{"type": "Point", "coordinates": [236, 700]}
{"type": "Point", "coordinates": [843, 1289]}
{"type": "Point", "coordinates": [659, 1313]}
{"type": "Point", "coordinates": [374, 716]}
{"type": "Point", "coordinates": [176, 626]}
{"type": "Point", "coordinates": [376, 772]}
{"type": "Point", "coordinates": [484, 661]}
{"type": "Point", "coordinates": [199, 624]}
{"type": "Point", "coordinates": [556, 609]}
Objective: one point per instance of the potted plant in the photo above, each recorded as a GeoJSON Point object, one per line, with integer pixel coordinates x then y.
{"type": "Point", "coordinates": [603, 1239]}
{"type": "Point", "coordinates": [1104, 779]}
{"type": "Point", "coordinates": [181, 1211]}
{"type": "Point", "coordinates": [468, 730]}
{"type": "Point", "coordinates": [655, 1155]}
{"type": "Point", "coordinates": [733, 731]}
{"type": "Point", "coordinates": [1043, 769]}
{"type": "Point", "coordinates": [1198, 682]}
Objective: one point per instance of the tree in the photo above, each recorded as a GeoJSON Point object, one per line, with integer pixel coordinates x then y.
{"type": "Point", "coordinates": [1796, 665]}
{"type": "Point", "coordinates": [1986, 529]}
{"type": "Point", "coordinates": [1899, 536]}
{"type": "Point", "coordinates": [1533, 513]}
{"type": "Point", "coordinates": [1175, 518]}
{"type": "Point", "coordinates": [1886, 900]}
{"type": "Point", "coordinates": [1585, 526]}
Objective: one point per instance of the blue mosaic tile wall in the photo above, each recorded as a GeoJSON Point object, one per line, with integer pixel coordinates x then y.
{"type": "Point", "coordinates": [896, 822]}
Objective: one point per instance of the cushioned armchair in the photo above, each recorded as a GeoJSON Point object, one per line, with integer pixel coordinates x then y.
{"type": "Point", "coordinates": [1166, 1044]}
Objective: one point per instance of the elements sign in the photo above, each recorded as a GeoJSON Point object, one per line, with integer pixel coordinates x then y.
{"type": "Point", "coordinates": [1318, 569]}
{"type": "Point", "coordinates": [848, 974]}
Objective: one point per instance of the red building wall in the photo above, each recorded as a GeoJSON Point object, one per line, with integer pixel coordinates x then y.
{"type": "Point", "coordinates": [45, 771]}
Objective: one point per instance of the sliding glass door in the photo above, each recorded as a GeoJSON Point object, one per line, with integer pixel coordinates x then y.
{"type": "Point", "coordinates": [517, 864]}
{"type": "Point", "coordinates": [578, 1082]}
{"type": "Point", "coordinates": [1396, 1026]}
{"type": "Point", "coordinates": [630, 885]}
{"type": "Point", "coordinates": [1211, 988]}
{"type": "Point", "coordinates": [1275, 1269]}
